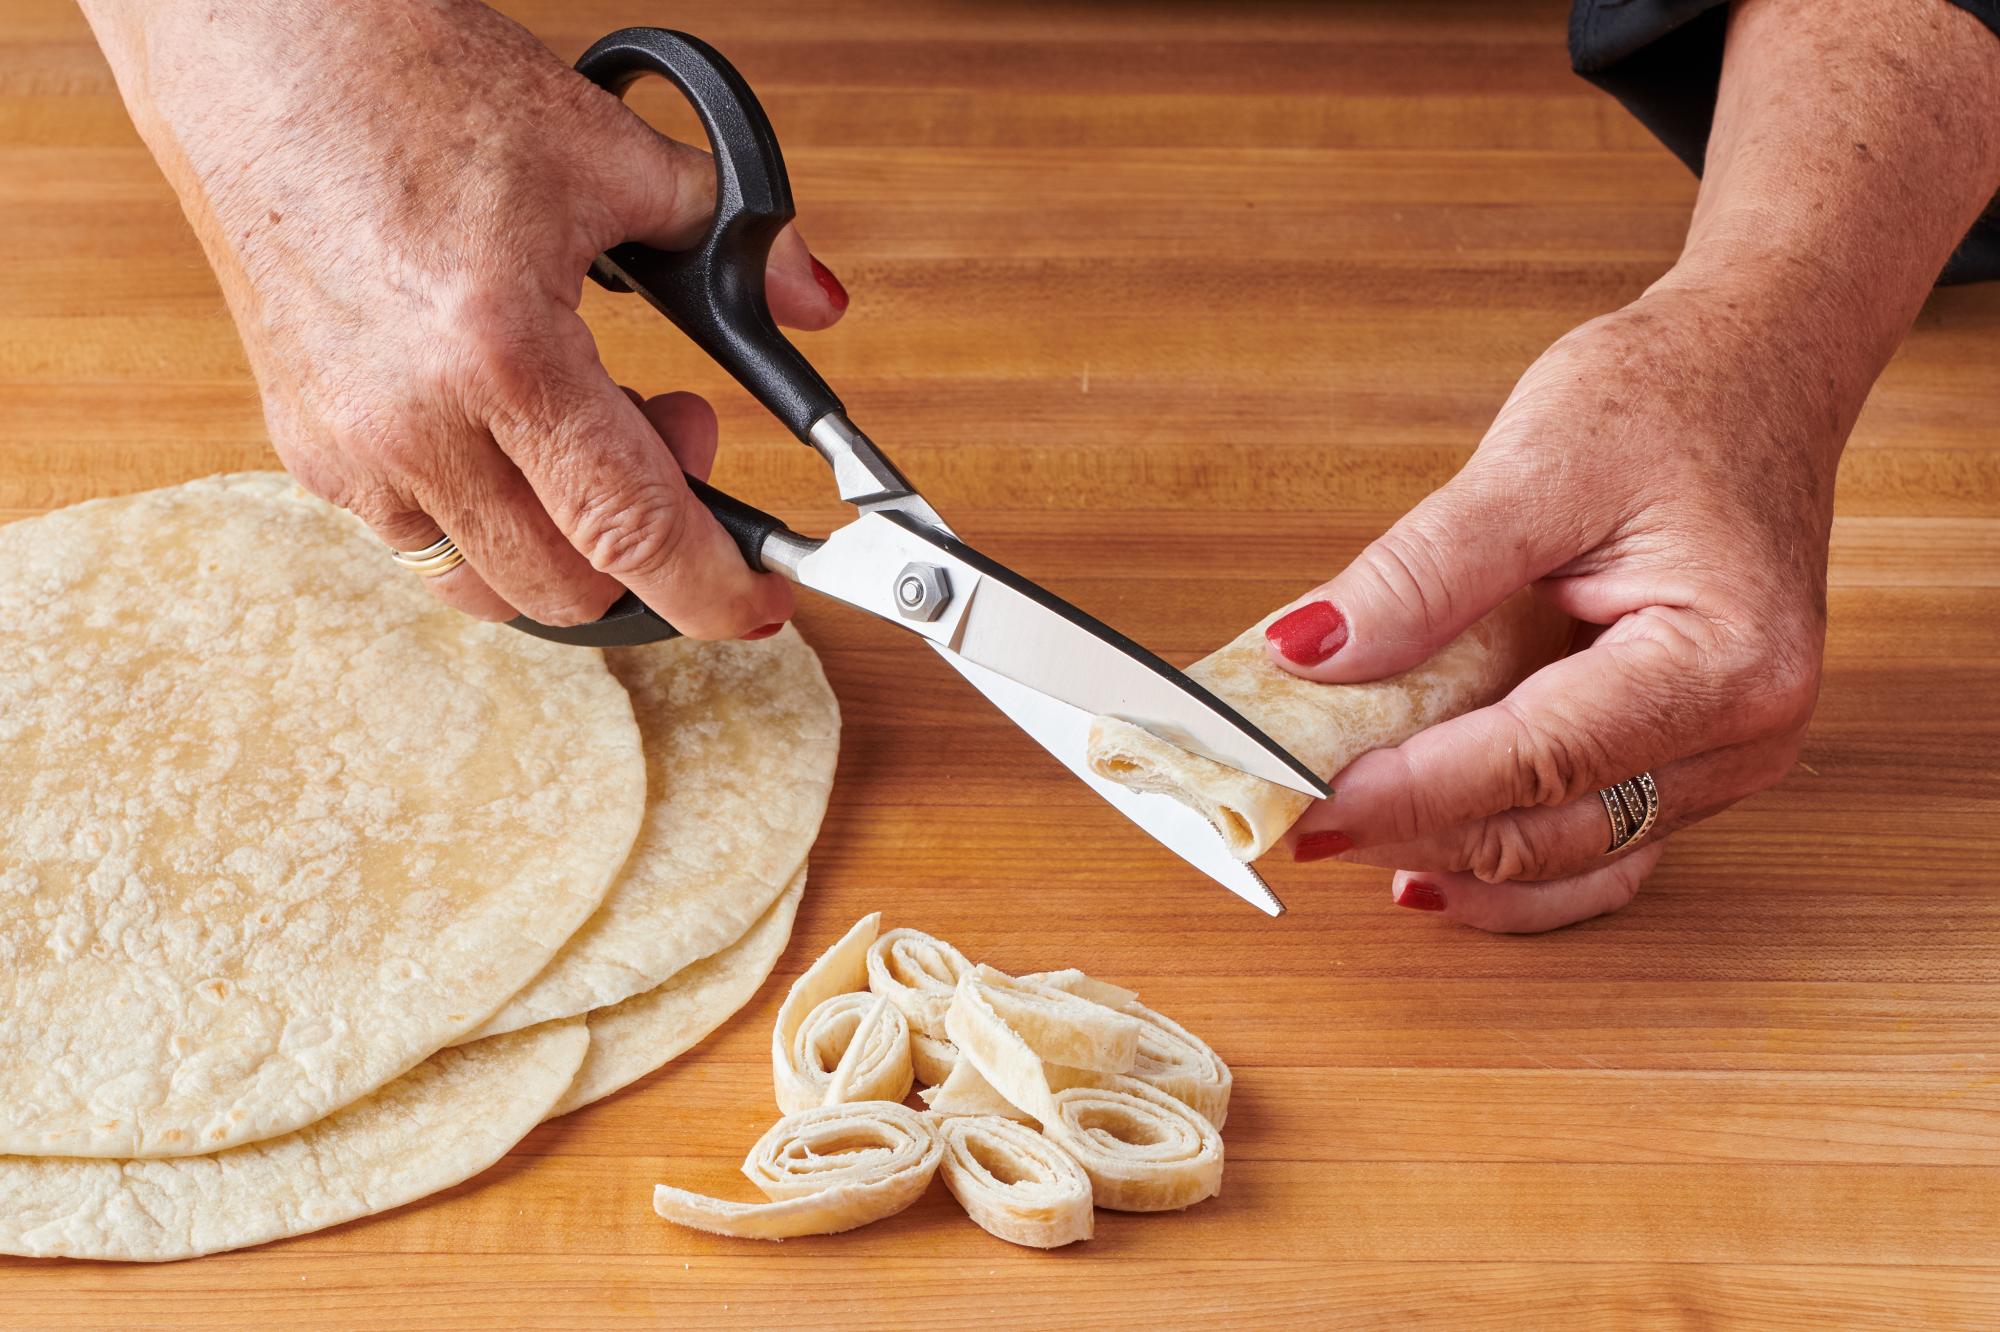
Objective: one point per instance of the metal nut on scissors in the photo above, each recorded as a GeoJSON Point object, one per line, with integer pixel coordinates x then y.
{"type": "Point", "coordinates": [922, 592]}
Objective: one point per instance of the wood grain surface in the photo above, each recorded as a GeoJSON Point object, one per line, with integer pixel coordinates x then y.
{"type": "Point", "coordinates": [1173, 306]}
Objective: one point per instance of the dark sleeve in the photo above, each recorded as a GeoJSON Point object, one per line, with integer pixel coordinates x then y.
{"type": "Point", "coordinates": [1663, 60]}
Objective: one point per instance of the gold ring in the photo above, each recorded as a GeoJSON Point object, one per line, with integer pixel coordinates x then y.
{"type": "Point", "coordinates": [1633, 804]}
{"type": "Point", "coordinates": [433, 561]}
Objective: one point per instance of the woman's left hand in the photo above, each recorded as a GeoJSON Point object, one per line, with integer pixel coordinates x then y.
{"type": "Point", "coordinates": [1665, 475]}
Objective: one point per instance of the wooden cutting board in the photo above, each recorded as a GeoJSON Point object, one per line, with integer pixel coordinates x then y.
{"type": "Point", "coordinates": [1173, 306]}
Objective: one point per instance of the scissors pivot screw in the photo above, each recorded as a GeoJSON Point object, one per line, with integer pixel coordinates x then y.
{"type": "Point", "coordinates": [922, 592]}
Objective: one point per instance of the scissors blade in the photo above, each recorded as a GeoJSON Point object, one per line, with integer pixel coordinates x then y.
{"type": "Point", "coordinates": [1064, 731]}
{"type": "Point", "coordinates": [1013, 627]}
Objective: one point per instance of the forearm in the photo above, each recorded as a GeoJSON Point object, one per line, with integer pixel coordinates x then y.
{"type": "Point", "coordinates": [1854, 143]}
{"type": "Point", "coordinates": [202, 82]}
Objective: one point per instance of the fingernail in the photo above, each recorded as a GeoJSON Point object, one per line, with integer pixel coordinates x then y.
{"type": "Point", "coordinates": [1320, 845]}
{"type": "Point", "coordinates": [829, 284]}
{"type": "Point", "coordinates": [1310, 634]}
{"type": "Point", "coordinates": [764, 632]}
{"type": "Point", "coordinates": [1420, 897]}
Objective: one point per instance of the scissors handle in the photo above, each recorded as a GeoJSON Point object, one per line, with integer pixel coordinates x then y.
{"type": "Point", "coordinates": [631, 621]}
{"type": "Point", "coordinates": [715, 292]}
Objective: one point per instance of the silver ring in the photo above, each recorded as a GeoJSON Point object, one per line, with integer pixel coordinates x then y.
{"type": "Point", "coordinates": [433, 561]}
{"type": "Point", "coordinates": [1633, 805]}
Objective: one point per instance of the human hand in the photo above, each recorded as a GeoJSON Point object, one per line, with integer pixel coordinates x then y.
{"type": "Point", "coordinates": [402, 201]}
{"type": "Point", "coordinates": [1665, 475]}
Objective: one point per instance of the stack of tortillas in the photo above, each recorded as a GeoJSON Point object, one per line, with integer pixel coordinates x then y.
{"type": "Point", "coordinates": [1054, 1093]}
{"type": "Point", "coordinates": [315, 896]}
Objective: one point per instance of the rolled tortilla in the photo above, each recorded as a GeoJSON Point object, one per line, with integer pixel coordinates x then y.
{"type": "Point", "coordinates": [842, 969]}
{"type": "Point", "coordinates": [825, 1170]}
{"type": "Point", "coordinates": [1143, 1150]}
{"type": "Point", "coordinates": [1171, 1057]}
{"type": "Point", "coordinates": [931, 1058]}
{"type": "Point", "coordinates": [855, 1047]}
{"type": "Point", "coordinates": [917, 972]}
{"type": "Point", "coordinates": [1326, 726]}
{"type": "Point", "coordinates": [1015, 1183]}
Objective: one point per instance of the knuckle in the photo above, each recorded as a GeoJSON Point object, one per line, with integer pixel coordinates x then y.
{"type": "Point", "coordinates": [1624, 889]}
{"type": "Point", "coordinates": [640, 533]}
{"type": "Point", "coordinates": [1406, 813]}
{"type": "Point", "coordinates": [1504, 849]}
{"type": "Point", "coordinates": [1549, 765]}
{"type": "Point", "coordinates": [1405, 568]}
{"type": "Point", "coordinates": [565, 612]}
{"type": "Point", "coordinates": [565, 603]}
{"type": "Point", "coordinates": [1790, 684]}
{"type": "Point", "coordinates": [507, 353]}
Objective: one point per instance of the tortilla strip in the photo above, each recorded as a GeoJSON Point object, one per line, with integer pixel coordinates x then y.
{"type": "Point", "coordinates": [827, 1169]}
{"type": "Point", "coordinates": [1143, 1150]}
{"type": "Point", "coordinates": [1060, 1027]}
{"type": "Point", "coordinates": [918, 974]}
{"type": "Point", "coordinates": [842, 969]}
{"type": "Point", "coordinates": [855, 1047]}
{"type": "Point", "coordinates": [931, 1058]}
{"type": "Point", "coordinates": [1015, 1183]}
{"type": "Point", "coordinates": [1170, 1057]}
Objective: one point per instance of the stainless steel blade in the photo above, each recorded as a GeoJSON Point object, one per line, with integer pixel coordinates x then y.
{"type": "Point", "coordinates": [996, 619]}
{"type": "Point", "coordinates": [1064, 730]}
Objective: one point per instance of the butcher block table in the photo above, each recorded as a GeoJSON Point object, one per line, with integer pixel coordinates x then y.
{"type": "Point", "coordinates": [1173, 306]}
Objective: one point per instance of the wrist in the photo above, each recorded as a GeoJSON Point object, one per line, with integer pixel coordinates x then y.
{"type": "Point", "coordinates": [1809, 333]}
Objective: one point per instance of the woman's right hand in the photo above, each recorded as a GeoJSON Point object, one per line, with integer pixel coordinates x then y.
{"type": "Point", "coordinates": [402, 202]}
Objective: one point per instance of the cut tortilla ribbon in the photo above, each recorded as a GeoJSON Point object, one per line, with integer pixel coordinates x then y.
{"type": "Point", "coordinates": [1015, 1183]}
{"type": "Point", "coordinates": [825, 1170]}
{"type": "Point", "coordinates": [1058, 1026]}
{"type": "Point", "coordinates": [931, 1059]}
{"type": "Point", "coordinates": [1144, 1150]}
{"type": "Point", "coordinates": [918, 974]}
{"type": "Point", "coordinates": [857, 1047]}
{"type": "Point", "coordinates": [799, 1081]}
{"type": "Point", "coordinates": [1171, 1057]}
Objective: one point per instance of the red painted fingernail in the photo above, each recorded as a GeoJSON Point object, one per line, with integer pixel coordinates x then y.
{"type": "Point", "coordinates": [1420, 897]}
{"type": "Point", "coordinates": [1320, 845]}
{"type": "Point", "coordinates": [829, 284]}
{"type": "Point", "coordinates": [1310, 634]}
{"type": "Point", "coordinates": [765, 632]}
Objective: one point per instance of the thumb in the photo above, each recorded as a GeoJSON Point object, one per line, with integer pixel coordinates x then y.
{"type": "Point", "coordinates": [667, 203]}
{"type": "Point", "coordinates": [1466, 548]}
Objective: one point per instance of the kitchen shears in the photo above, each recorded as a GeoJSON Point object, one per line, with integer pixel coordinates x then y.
{"type": "Point", "coordinates": [1047, 665]}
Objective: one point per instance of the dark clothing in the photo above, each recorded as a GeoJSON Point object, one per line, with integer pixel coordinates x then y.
{"type": "Point", "coordinates": [1663, 59]}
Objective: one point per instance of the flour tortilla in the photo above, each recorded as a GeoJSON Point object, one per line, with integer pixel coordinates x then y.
{"type": "Point", "coordinates": [740, 741]}
{"type": "Point", "coordinates": [441, 1123]}
{"type": "Point", "coordinates": [274, 823]}
{"type": "Point", "coordinates": [631, 1039]}
{"type": "Point", "coordinates": [1326, 726]}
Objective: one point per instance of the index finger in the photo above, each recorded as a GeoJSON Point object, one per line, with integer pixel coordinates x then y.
{"type": "Point", "coordinates": [618, 494]}
{"type": "Point", "coordinates": [1644, 694]}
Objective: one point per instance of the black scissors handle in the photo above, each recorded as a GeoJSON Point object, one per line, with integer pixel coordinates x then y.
{"type": "Point", "coordinates": [714, 292]}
